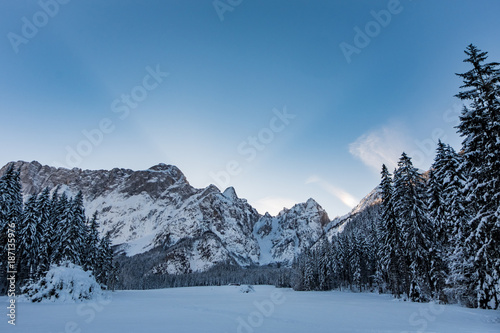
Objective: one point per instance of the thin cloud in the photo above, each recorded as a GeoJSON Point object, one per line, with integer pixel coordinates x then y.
{"type": "Point", "coordinates": [381, 146]}
{"type": "Point", "coordinates": [346, 198]}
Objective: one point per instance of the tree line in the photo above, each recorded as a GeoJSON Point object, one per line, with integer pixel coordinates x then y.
{"type": "Point", "coordinates": [437, 236]}
{"type": "Point", "coordinates": [50, 229]}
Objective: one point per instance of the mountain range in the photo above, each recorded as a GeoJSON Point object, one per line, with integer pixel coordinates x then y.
{"type": "Point", "coordinates": [191, 229]}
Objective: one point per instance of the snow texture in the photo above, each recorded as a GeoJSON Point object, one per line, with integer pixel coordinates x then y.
{"type": "Point", "coordinates": [227, 309]}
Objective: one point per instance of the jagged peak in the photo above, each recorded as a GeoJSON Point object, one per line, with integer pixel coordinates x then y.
{"type": "Point", "coordinates": [210, 189]}
{"type": "Point", "coordinates": [230, 193]}
{"type": "Point", "coordinates": [309, 206]}
{"type": "Point", "coordinates": [311, 202]}
{"type": "Point", "coordinates": [162, 167]}
{"type": "Point", "coordinates": [170, 170]}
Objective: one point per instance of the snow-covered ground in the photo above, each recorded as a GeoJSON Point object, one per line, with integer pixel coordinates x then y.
{"type": "Point", "coordinates": [228, 309]}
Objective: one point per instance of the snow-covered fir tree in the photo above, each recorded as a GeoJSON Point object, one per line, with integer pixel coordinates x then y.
{"type": "Point", "coordinates": [391, 248]}
{"type": "Point", "coordinates": [59, 207]}
{"type": "Point", "coordinates": [92, 243]}
{"type": "Point", "coordinates": [11, 208]}
{"type": "Point", "coordinates": [29, 240]}
{"type": "Point", "coordinates": [439, 185]}
{"type": "Point", "coordinates": [105, 270]}
{"type": "Point", "coordinates": [324, 265]}
{"type": "Point", "coordinates": [43, 207]}
{"type": "Point", "coordinates": [480, 127]}
{"type": "Point", "coordinates": [410, 209]}
{"type": "Point", "coordinates": [74, 231]}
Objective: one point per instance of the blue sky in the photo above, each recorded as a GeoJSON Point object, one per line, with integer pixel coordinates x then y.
{"type": "Point", "coordinates": [259, 95]}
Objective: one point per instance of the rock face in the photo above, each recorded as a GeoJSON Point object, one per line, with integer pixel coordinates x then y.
{"type": "Point", "coordinates": [282, 237]}
{"type": "Point", "coordinates": [194, 228]}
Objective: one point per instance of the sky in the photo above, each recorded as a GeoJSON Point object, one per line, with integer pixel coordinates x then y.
{"type": "Point", "coordinates": [283, 100]}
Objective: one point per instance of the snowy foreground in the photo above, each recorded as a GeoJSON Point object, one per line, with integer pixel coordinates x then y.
{"type": "Point", "coordinates": [229, 309]}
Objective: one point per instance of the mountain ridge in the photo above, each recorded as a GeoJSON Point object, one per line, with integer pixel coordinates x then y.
{"type": "Point", "coordinates": [195, 228]}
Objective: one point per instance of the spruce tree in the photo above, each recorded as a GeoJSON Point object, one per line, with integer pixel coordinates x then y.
{"type": "Point", "coordinates": [310, 277]}
{"type": "Point", "coordinates": [105, 271]}
{"type": "Point", "coordinates": [391, 249]}
{"type": "Point", "coordinates": [43, 207]}
{"type": "Point", "coordinates": [439, 186]}
{"type": "Point", "coordinates": [11, 208]}
{"type": "Point", "coordinates": [324, 265]}
{"type": "Point", "coordinates": [59, 207]}
{"type": "Point", "coordinates": [358, 260]}
{"type": "Point", "coordinates": [335, 262]}
{"type": "Point", "coordinates": [480, 127]}
{"type": "Point", "coordinates": [410, 208]}
{"type": "Point", "coordinates": [29, 240]}
{"type": "Point", "coordinates": [74, 233]}
{"type": "Point", "coordinates": [92, 244]}
{"type": "Point", "coordinates": [344, 260]}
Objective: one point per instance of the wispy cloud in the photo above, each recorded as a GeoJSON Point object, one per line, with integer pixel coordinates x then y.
{"type": "Point", "coordinates": [346, 198]}
{"type": "Point", "coordinates": [381, 146]}
{"type": "Point", "coordinates": [273, 205]}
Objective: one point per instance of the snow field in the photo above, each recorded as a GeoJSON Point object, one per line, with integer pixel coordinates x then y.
{"type": "Point", "coordinates": [228, 309]}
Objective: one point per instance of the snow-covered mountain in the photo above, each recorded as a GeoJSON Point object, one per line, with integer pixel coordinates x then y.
{"type": "Point", "coordinates": [361, 216]}
{"type": "Point", "coordinates": [191, 229]}
{"type": "Point", "coordinates": [282, 237]}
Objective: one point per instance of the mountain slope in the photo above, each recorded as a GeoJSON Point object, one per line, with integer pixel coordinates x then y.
{"type": "Point", "coordinates": [362, 216]}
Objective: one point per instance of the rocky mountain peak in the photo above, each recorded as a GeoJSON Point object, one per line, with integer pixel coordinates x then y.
{"type": "Point", "coordinates": [230, 193]}
{"type": "Point", "coordinates": [170, 170]}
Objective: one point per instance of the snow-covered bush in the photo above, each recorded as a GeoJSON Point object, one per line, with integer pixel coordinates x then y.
{"type": "Point", "coordinates": [64, 283]}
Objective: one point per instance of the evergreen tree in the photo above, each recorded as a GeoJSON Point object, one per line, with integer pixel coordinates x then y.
{"type": "Point", "coordinates": [105, 271]}
{"type": "Point", "coordinates": [344, 264]}
{"type": "Point", "coordinates": [410, 208]}
{"type": "Point", "coordinates": [11, 201]}
{"type": "Point", "coordinates": [58, 207]}
{"type": "Point", "coordinates": [324, 265]}
{"type": "Point", "coordinates": [391, 250]}
{"type": "Point", "coordinates": [310, 276]}
{"type": "Point", "coordinates": [358, 260]}
{"type": "Point", "coordinates": [444, 192]}
{"type": "Point", "coordinates": [11, 208]}
{"type": "Point", "coordinates": [335, 263]}
{"type": "Point", "coordinates": [435, 208]}
{"type": "Point", "coordinates": [480, 127]}
{"type": "Point", "coordinates": [29, 240]}
{"type": "Point", "coordinates": [43, 207]}
{"type": "Point", "coordinates": [373, 252]}
{"type": "Point", "coordinates": [74, 233]}
{"type": "Point", "coordinates": [439, 237]}
{"type": "Point", "coordinates": [92, 244]}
